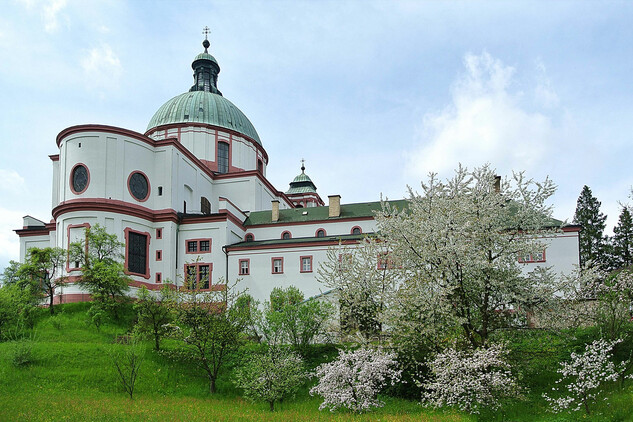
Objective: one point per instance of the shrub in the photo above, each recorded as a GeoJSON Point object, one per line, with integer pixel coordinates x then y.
{"type": "Point", "coordinates": [271, 376]}
{"type": "Point", "coordinates": [22, 353]}
{"type": "Point", "coordinates": [355, 378]}
{"type": "Point", "coordinates": [128, 363]}
{"type": "Point", "coordinates": [469, 379]}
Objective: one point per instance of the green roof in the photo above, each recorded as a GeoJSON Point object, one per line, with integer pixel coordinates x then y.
{"type": "Point", "coordinates": [301, 184]}
{"type": "Point", "coordinates": [363, 209]}
{"type": "Point", "coordinates": [204, 107]}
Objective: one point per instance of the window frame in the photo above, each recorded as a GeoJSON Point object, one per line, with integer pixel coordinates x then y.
{"type": "Point", "coordinates": [198, 243]}
{"type": "Point", "coordinates": [316, 233]}
{"type": "Point", "coordinates": [272, 265]}
{"type": "Point", "coordinates": [72, 174]}
{"type": "Point", "coordinates": [248, 266]}
{"type": "Point", "coordinates": [228, 157]}
{"type": "Point", "coordinates": [301, 267]}
{"type": "Point", "coordinates": [148, 238]}
{"type": "Point", "coordinates": [360, 230]}
{"type": "Point", "coordinates": [284, 233]}
{"type": "Point", "coordinates": [532, 258]}
{"type": "Point", "coordinates": [197, 266]}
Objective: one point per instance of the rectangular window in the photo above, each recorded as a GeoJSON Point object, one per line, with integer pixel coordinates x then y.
{"type": "Point", "coordinates": [159, 233]}
{"type": "Point", "coordinates": [160, 191]}
{"type": "Point", "coordinates": [198, 276]}
{"type": "Point", "coordinates": [223, 157]}
{"type": "Point", "coordinates": [159, 255]}
{"type": "Point", "coordinates": [159, 278]}
{"type": "Point", "coordinates": [137, 253]}
{"type": "Point", "coordinates": [306, 264]}
{"type": "Point", "coordinates": [531, 258]}
{"type": "Point", "coordinates": [244, 266]}
{"type": "Point", "coordinates": [278, 265]}
{"type": "Point", "coordinates": [198, 245]}
{"type": "Point", "coordinates": [344, 261]}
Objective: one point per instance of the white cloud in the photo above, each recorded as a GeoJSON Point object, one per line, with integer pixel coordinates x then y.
{"type": "Point", "coordinates": [11, 181]}
{"type": "Point", "coordinates": [50, 11]}
{"type": "Point", "coordinates": [486, 121]}
{"type": "Point", "coordinates": [102, 67]}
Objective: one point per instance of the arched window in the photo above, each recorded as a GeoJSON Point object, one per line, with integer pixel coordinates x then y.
{"type": "Point", "coordinates": [356, 230]}
{"type": "Point", "coordinates": [286, 235]}
{"type": "Point", "coordinates": [320, 233]}
{"type": "Point", "coordinates": [249, 237]}
{"type": "Point", "coordinates": [260, 166]}
{"type": "Point", "coordinates": [223, 157]}
{"type": "Point", "coordinates": [205, 206]}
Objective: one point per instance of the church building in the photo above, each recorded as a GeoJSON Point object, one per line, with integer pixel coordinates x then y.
{"type": "Point", "coordinates": [190, 197]}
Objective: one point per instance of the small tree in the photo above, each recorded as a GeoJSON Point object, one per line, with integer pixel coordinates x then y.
{"type": "Point", "coordinates": [128, 363]}
{"type": "Point", "coordinates": [103, 275]}
{"type": "Point", "coordinates": [469, 379]}
{"type": "Point", "coordinates": [154, 312]}
{"type": "Point", "coordinates": [584, 376]}
{"type": "Point", "coordinates": [591, 240]}
{"type": "Point", "coordinates": [271, 376]}
{"type": "Point", "coordinates": [17, 305]}
{"type": "Point", "coordinates": [209, 326]}
{"type": "Point", "coordinates": [288, 318]}
{"type": "Point", "coordinates": [43, 266]}
{"type": "Point", "coordinates": [355, 378]}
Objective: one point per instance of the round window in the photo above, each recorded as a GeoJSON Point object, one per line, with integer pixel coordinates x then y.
{"type": "Point", "coordinates": [79, 178]}
{"type": "Point", "coordinates": [139, 186]}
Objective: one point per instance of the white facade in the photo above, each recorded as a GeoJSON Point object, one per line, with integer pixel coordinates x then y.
{"type": "Point", "coordinates": [201, 184]}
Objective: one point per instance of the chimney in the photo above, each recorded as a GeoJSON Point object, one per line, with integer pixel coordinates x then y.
{"type": "Point", "coordinates": [497, 184]}
{"type": "Point", "coordinates": [275, 212]}
{"type": "Point", "coordinates": [334, 205]}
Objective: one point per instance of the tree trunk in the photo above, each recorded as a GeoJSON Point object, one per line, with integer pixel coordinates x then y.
{"type": "Point", "coordinates": [272, 405]}
{"type": "Point", "coordinates": [211, 385]}
{"type": "Point", "coordinates": [50, 304]}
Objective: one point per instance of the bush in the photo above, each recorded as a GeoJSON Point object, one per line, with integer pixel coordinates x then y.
{"type": "Point", "coordinates": [22, 353]}
{"type": "Point", "coordinates": [355, 378]}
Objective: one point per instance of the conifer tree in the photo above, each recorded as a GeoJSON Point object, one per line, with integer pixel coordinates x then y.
{"type": "Point", "coordinates": [623, 240]}
{"type": "Point", "coordinates": [592, 222]}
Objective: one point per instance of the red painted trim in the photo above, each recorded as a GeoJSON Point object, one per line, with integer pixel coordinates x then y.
{"type": "Point", "coordinates": [159, 278]}
{"type": "Point", "coordinates": [284, 232]}
{"type": "Point", "coordinates": [222, 215]}
{"type": "Point", "coordinates": [114, 206]}
{"type": "Point", "coordinates": [159, 255]}
{"type": "Point", "coordinates": [127, 231]}
{"type": "Point", "coordinates": [325, 242]}
{"type": "Point", "coordinates": [71, 178]}
{"type": "Point", "coordinates": [149, 186]}
{"type": "Point", "coordinates": [72, 298]}
{"type": "Point", "coordinates": [305, 223]}
{"type": "Point", "coordinates": [221, 198]}
{"type": "Point", "coordinates": [148, 285]}
{"type": "Point", "coordinates": [262, 179]}
{"type": "Point", "coordinates": [571, 229]}
{"type": "Point", "coordinates": [356, 227]}
{"type": "Point", "coordinates": [197, 265]}
{"type": "Point", "coordinates": [248, 267]}
{"type": "Point", "coordinates": [54, 157]}
{"type": "Point", "coordinates": [73, 226]}
{"type": "Point", "coordinates": [316, 233]}
{"type": "Point", "coordinates": [301, 264]}
{"type": "Point", "coordinates": [272, 265]}
{"type": "Point", "coordinates": [159, 233]}
{"type": "Point", "coordinates": [246, 237]}
{"type": "Point", "coordinates": [49, 227]}
{"type": "Point", "coordinates": [197, 251]}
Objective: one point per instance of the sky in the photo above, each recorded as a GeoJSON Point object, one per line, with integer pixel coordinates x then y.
{"type": "Point", "coordinates": [374, 95]}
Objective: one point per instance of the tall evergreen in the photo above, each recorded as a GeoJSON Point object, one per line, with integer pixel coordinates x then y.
{"type": "Point", "coordinates": [623, 240]}
{"type": "Point", "coordinates": [592, 222]}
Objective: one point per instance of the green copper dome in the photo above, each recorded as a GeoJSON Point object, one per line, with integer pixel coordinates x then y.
{"type": "Point", "coordinates": [204, 102]}
{"type": "Point", "coordinates": [204, 107]}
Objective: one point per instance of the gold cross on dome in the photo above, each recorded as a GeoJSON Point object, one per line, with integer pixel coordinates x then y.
{"type": "Point", "coordinates": [205, 32]}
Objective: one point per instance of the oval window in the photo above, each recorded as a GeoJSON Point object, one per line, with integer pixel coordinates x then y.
{"type": "Point", "coordinates": [79, 179]}
{"type": "Point", "coordinates": [139, 186]}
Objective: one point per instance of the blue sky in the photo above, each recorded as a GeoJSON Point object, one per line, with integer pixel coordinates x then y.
{"type": "Point", "coordinates": [374, 95]}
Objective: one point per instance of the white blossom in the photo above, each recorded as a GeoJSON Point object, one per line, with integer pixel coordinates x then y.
{"type": "Point", "coordinates": [355, 378]}
{"type": "Point", "coordinates": [469, 379]}
{"type": "Point", "coordinates": [583, 376]}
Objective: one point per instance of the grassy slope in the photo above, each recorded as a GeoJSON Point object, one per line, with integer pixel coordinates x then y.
{"type": "Point", "coordinates": [73, 378]}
